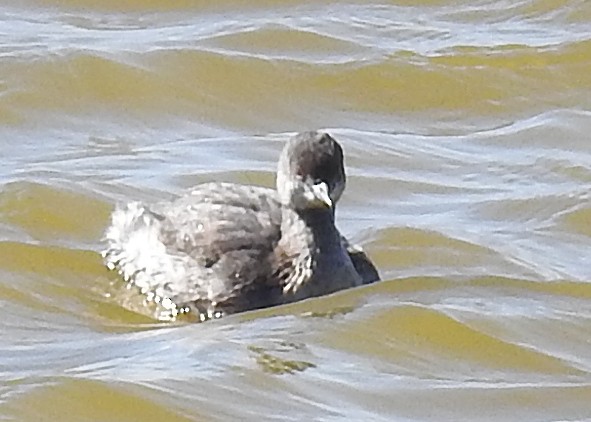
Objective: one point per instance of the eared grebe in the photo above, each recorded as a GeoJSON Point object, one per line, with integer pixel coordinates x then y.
{"type": "Point", "coordinates": [227, 248]}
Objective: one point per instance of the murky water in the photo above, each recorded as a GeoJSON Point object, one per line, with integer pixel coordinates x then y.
{"type": "Point", "coordinates": [466, 127]}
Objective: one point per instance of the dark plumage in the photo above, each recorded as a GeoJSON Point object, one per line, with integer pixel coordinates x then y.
{"type": "Point", "coordinates": [226, 248]}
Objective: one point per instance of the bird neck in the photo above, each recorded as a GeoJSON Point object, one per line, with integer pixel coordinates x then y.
{"type": "Point", "coordinates": [312, 230]}
{"type": "Point", "coordinates": [319, 263]}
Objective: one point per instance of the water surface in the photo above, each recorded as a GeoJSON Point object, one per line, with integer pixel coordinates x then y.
{"type": "Point", "coordinates": [466, 132]}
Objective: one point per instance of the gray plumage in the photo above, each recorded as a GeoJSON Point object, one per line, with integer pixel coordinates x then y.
{"type": "Point", "coordinates": [226, 248]}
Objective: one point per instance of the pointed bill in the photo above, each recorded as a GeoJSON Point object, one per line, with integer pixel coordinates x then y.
{"type": "Point", "coordinates": [321, 196]}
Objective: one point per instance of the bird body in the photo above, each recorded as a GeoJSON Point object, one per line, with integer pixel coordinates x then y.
{"type": "Point", "coordinates": [227, 248]}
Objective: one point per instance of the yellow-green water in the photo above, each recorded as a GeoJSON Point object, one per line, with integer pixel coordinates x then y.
{"type": "Point", "coordinates": [467, 132]}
